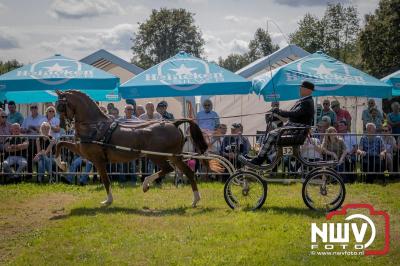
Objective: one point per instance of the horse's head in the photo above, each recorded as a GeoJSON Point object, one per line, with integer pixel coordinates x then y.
{"type": "Point", "coordinates": [65, 106]}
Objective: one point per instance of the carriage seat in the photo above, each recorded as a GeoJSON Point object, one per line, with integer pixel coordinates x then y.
{"type": "Point", "coordinates": [292, 136]}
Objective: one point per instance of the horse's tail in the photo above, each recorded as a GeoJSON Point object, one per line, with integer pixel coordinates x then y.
{"type": "Point", "coordinates": [196, 134]}
{"type": "Point", "coordinates": [200, 143]}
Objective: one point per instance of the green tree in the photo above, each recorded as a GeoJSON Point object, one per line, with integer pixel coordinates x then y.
{"type": "Point", "coordinates": [261, 45]}
{"type": "Point", "coordinates": [335, 33]}
{"type": "Point", "coordinates": [258, 47]}
{"type": "Point", "coordinates": [164, 34]}
{"type": "Point", "coordinates": [309, 35]}
{"type": "Point", "coordinates": [379, 41]}
{"type": "Point", "coordinates": [9, 65]}
{"type": "Point", "coordinates": [234, 62]}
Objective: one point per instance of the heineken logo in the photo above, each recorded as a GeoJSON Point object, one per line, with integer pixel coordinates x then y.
{"type": "Point", "coordinates": [323, 75]}
{"type": "Point", "coordinates": [184, 74]}
{"type": "Point", "coordinates": [56, 68]}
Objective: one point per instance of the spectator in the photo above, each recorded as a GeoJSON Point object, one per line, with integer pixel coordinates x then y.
{"type": "Point", "coordinates": [76, 167]}
{"type": "Point", "coordinates": [129, 113]}
{"type": "Point", "coordinates": [390, 146]}
{"type": "Point", "coordinates": [366, 113]}
{"type": "Point", "coordinates": [394, 119]}
{"type": "Point", "coordinates": [5, 129]}
{"type": "Point", "coordinates": [375, 119]}
{"type": "Point", "coordinates": [372, 150]}
{"type": "Point", "coordinates": [16, 147]}
{"type": "Point", "coordinates": [150, 114]}
{"type": "Point", "coordinates": [235, 144]}
{"type": "Point", "coordinates": [333, 143]}
{"type": "Point", "coordinates": [114, 113]}
{"type": "Point", "coordinates": [162, 110]}
{"type": "Point", "coordinates": [341, 115]}
{"type": "Point", "coordinates": [132, 102]}
{"type": "Point", "coordinates": [32, 123]}
{"type": "Point", "coordinates": [351, 147]}
{"type": "Point", "coordinates": [53, 121]}
{"type": "Point", "coordinates": [110, 107]}
{"type": "Point", "coordinates": [322, 126]}
{"type": "Point", "coordinates": [208, 119]}
{"type": "Point", "coordinates": [140, 110]}
{"type": "Point", "coordinates": [103, 109]}
{"type": "Point", "coordinates": [327, 111]}
{"type": "Point", "coordinates": [217, 138]}
{"type": "Point", "coordinates": [14, 116]}
{"type": "Point", "coordinates": [44, 146]}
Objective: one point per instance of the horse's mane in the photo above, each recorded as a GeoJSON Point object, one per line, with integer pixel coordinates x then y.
{"type": "Point", "coordinates": [87, 98]}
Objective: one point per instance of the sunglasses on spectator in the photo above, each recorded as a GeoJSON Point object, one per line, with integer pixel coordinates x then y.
{"type": "Point", "coordinates": [385, 130]}
{"type": "Point", "coordinates": [326, 103]}
{"type": "Point", "coordinates": [33, 107]}
{"type": "Point", "coordinates": [50, 111]}
{"type": "Point", "coordinates": [4, 116]}
{"type": "Point", "coordinates": [206, 105]}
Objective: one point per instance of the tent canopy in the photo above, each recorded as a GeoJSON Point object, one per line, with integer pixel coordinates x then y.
{"type": "Point", "coordinates": [394, 81]}
{"type": "Point", "coordinates": [37, 82]}
{"type": "Point", "coordinates": [330, 76]}
{"type": "Point", "coordinates": [184, 75]}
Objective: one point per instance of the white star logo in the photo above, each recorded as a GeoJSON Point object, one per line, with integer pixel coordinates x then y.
{"type": "Point", "coordinates": [183, 70]}
{"type": "Point", "coordinates": [323, 70]}
{"type": "Point", "coordinates": [56, 68]}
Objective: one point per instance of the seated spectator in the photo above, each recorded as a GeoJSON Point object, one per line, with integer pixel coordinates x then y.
{"type": "Point", "coordinates": [350, 140]}
{"type": "Point", "coordinates": [207, 119]}
{"type": "Point", "coordinates": [150, 114]}
{"type": "Point", "coordinates": [341, 115]}
{"type": "Point", "coordinates": [162, 110]}
{"type": "Point", "coordinates": [129, 113]}
{"type": "Point", "coordinates": [44, 146]}
{"type": "Point", "coordinates": [327, 111]}
{"type": "Point", "coordinates": [322, 126]}
{"type": "Point", "coordinates": [16, 148]}
{"type": "Point", "coordinates": [5, 129]}
{"type": "Point", "coordinates": [139, 110]}
{"type": "Point", "coordinates": [394, 119]}
{"type": "Point", "coordinates": [32, 123]}
{"type": "Point", "coordinates": [132, 102]}
{"type": "Point", "coordinates": [217, 138]}
{"type": "Point", "coordinates": [14, 116]}
{"type": "Point", "coordinates": [372, 150]}
{"type": "Point", "coordinates": [114, 113]}
{"type": "Point", "coordinates": [333, 143]}
{"type": "Point", "coordinates": [110, 107]}
{"type": "Point", "coordinates": [367, 113]}
{"type": "Point", "coordinates": [53, 121]}
{"type": "Point", "coordinates": [235, 144]}
{"type": "Point", "coordinates": [76, 167]}
{"type": "Point", "coordinates": [390, 146]}
{"type": "Point", "coordinates": [375, 119]}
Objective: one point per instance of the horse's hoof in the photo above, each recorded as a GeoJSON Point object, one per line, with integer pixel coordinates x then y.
{"type": "Point", "coordinates": [106, 203]}
{"type": "Point", "coordinates": [145, 186]}
{"type": "Point", "coordinates": [196, 199]}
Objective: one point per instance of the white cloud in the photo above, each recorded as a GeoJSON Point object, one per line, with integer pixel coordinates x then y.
{"type": "Point", "coordinates": [2, 8]}
{"type": "Point", "coordinates": [116, 38]}
{"type": "Point", "coordinates": [216, 47]}
{"type": "Point", "coordinates": [77, 9]}
{"type": "Point", "coordinates": [8, 40]}
{"type": "Point", "coordinates": [246, 20]}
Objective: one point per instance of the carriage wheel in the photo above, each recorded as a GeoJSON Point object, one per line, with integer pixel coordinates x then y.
{"type": "Point", "coordinates": [323, 190]}
{"type": "Point", "coordinates": [245, 190]}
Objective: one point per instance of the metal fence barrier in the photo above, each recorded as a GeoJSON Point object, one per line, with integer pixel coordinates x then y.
{"type": "Point", "coordinates": [26, 165]}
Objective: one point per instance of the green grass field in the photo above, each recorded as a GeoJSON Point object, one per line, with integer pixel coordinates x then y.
{"type": "Point", "coordinates": [65, 225]}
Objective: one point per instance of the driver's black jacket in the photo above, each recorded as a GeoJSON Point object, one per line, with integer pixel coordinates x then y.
{"type": "Point", "coordinates": [301, 113]}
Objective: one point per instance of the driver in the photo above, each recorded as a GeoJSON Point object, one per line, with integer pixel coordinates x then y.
{"type": "Point", "coordinates": [300, 115]}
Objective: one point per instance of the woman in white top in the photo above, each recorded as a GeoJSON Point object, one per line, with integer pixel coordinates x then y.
{"type": "Point", "coordinates": [53, 121]}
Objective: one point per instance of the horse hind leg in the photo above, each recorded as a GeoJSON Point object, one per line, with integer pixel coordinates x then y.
{"type": "Point", "coordinates": [190, 175]}
{"type": "Point", "coordinates": [165, 169]}
{"type": "Point", "coordinates": [106, 182]}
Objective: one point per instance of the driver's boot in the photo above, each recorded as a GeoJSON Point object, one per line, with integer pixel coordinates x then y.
{"type": "Point", "coordinates": [258, 160]}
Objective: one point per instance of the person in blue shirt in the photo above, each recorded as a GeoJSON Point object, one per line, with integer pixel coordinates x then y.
{"type": "Point", "coordinates": [208, 119]}
{"type": "Point", "coordinates": [14, 116]}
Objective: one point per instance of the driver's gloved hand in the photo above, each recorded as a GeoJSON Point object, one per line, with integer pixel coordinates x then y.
{"type": "Point", "coordinates": [275, 111]}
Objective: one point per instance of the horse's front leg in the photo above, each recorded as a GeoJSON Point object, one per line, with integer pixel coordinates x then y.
{"type": "Point", "coordinates": [101, 168]}
{"type": "Point", "coordinates": [68, 145]}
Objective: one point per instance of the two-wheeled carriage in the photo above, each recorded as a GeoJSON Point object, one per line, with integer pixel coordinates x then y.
{"type": "Point", "coordinates": [323, 188]}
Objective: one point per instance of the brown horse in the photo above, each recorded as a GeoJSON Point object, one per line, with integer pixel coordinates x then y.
{"type": "Point", "coordinates": [92, 129]}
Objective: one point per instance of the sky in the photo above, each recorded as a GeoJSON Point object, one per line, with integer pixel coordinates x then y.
{"type": "Point", "coordinates": [31, 30]}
